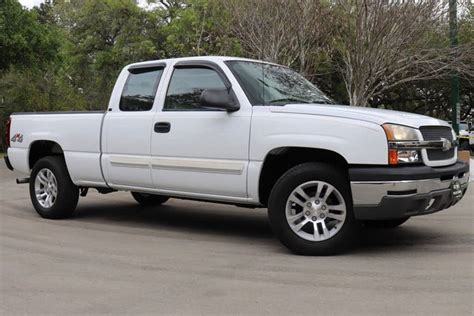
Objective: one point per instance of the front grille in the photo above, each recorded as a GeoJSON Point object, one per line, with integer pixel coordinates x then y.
{"type": "Point", "coordinates": [436, 154]}
{"type": "Point", "coordinates": [436, 133]}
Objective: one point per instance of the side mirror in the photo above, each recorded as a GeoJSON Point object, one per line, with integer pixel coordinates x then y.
{"type": "Point", "coordinates": [219, 99]}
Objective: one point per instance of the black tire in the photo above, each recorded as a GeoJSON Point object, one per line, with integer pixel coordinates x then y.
{"type": "Point", "coordinates": [67, 193]}
{"type": "Point", "coordinates": [388, 223]}
{"type": "Point", "coordinates": [277, 207]}
{"type": "Point", "coordinates": [145, 199]}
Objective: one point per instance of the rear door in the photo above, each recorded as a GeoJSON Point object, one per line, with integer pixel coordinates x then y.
{"type": "Point", "coordinates": [127, 130]}
{"type": "Point", "coordinates": [197, 151]}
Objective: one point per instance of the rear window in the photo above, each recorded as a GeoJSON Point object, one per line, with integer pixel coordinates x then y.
{"type": "Point", "coordinates": [140, 89]}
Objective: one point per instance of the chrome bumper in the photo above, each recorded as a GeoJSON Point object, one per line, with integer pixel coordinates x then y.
{"type": "Point", "coordinates": [387, 193]}
{"type": "Point", "coordinates": [372, 192]}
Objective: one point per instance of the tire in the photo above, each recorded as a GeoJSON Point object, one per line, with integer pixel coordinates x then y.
{"type": "Point", "coordinates": [388, 223]}
{"type": "Point", "coordinates": [282, 210]}
{"type": "Point", "coordinates": [50, 174]}
{"type": "Point", "coordinates": [145, 199]}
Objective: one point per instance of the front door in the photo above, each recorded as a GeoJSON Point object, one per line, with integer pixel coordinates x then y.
{"type": "Point", "coordinates": [197, 151]}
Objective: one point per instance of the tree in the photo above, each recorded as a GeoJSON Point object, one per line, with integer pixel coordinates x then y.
{"type": "Point", "coordinates": [384, 44]}
{"type": "Point", "coordinates": [195, 28]}
{"type": "Point", "coordinates": [103, 37]}
{"type": "Point", "coordinates": [24, 41]}
{"type": "Point", "coordinates": [287, 32]}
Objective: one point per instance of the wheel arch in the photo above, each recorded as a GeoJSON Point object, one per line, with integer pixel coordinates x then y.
{"type": "Point", "coordinates": [279, 160]}
{"type": "Point", "coordinates": [42, 148]}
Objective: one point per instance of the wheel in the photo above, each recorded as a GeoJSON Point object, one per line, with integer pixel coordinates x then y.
{"type": "Point", "coordinates": [388, 223]}
{"type": "Point", "coordinates": [310, 210]}
{"type": "Point", "coordinates": [146, 199]}
{"type": "Point", "coordinates": [52, 192]}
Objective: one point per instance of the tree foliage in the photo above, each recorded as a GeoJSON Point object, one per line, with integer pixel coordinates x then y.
{"type": "Point", "coordinates": [66, 55]}
{"type": "Point", "coordinates": [24, 41]}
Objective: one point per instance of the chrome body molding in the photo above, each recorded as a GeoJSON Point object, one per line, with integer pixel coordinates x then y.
{"type": "Point", "coordinates": [199, 165]}
{"type": "Point", "coordinates": [130, 161]}
{"type": "Point", "coordinates": [372, 192]}
{"type": "Point", "coordinates": [184, 164]}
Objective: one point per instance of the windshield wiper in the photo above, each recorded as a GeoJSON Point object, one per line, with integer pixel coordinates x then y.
{"type": "Point", "coordinates": [287, 100]}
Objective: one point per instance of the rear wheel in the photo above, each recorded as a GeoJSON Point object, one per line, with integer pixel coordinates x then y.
{"type": "Point", "coordinates": [146, 199]}
{"type": "Point", "coordinates": [310, 210]}
{"type": "Point", "coordinates": [388, 223]}
{"type": "Point", "coordinates": [52, 192]}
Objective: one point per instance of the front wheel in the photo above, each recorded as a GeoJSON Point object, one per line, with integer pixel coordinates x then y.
{"type": "Point", "coordinates": [310, 210]}
{"type": "Point", "coordinates": [52, 192]}
{"type": "Point", "coordinates": [145, 199]}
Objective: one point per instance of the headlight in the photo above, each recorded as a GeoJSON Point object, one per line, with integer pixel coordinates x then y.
{"type": "Point", "coordinates": [396, 134]}
{"type": "Point", "coordinates": [400, 132]}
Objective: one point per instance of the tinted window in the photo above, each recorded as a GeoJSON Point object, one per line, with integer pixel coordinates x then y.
{"type": "Point", "coordinates": [139, 91]}
{"type": "Point", "coordinates": [186, 86]}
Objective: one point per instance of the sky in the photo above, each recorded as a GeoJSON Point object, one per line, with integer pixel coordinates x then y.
{"type": "Point", "coordinates": [30, 3]}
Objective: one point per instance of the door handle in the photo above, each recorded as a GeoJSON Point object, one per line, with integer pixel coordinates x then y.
{"type": "Point", "coordinates": [162, 127]}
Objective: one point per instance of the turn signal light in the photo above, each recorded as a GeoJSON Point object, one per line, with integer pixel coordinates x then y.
{"type": "Point", "coordinates": [392, 156]}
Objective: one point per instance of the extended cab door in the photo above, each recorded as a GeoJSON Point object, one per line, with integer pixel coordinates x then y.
{"type": "Point", "coordinates": [197, 151]}
{"type": "Point", "coordinates": [128, 126]}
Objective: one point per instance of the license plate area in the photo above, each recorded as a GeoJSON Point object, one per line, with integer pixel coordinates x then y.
{"type": "Point", "coordinates": [456, 190]}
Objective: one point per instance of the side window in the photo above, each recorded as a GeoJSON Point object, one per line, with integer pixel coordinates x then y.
{"type": "Point", "coordinates": [186, 86]}
{"type": "Point", "coordinates": [139, 91]}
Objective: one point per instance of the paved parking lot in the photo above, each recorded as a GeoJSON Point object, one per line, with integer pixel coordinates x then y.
{"type": "Point", "coordinates": [197, 258]}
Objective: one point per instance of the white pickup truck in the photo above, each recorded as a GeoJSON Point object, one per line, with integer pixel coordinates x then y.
{"type": "Point", "coordinates": [247, 133]}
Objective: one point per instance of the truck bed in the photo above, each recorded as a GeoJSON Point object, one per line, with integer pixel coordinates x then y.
{"type": "Point", "coordinates": [79, 134]}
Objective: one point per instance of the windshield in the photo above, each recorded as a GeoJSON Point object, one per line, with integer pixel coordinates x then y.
{"type": "Point", "coordinates": [266, 84]}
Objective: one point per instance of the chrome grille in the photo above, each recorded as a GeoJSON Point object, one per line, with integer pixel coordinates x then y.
{"type": "Point", "coordinates": [436, 133]}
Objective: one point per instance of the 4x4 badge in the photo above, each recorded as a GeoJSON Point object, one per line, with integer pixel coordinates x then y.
{"type": "Point", "coordinates": [17, 138]}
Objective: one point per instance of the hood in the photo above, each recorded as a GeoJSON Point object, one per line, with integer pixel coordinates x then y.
{"type": "Point", "coordinates": [377, 116]}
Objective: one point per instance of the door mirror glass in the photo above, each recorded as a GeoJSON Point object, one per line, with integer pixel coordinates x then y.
{"type": "Point", "coordinates": [219, 99]}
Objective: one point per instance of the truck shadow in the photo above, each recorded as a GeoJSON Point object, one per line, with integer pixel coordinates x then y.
{"type": "Point", "coordinates": [230, 222]}
{"type": "Point", "coordinates": [196, 218]}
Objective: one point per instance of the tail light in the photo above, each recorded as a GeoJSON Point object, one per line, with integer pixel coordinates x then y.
{"type": "Point", "coordinates": [7, 132]}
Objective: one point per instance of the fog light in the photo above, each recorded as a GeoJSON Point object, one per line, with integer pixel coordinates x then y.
{"type": "Point", "coordinates": [408, 156]}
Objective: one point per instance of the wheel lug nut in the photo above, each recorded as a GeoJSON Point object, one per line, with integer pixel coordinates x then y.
{"type": "Point", "coordinates": [307, 213]}
{"type": "Point", "coordinates": [317, 201]}
{"type": "Point", "coordinates": [308, 204]}
{"type": "Point", "coordinates": [323, 207]}
{"type": "Point", "coordinates": [322, 216]}
{"type": "Point", "coordinates": [314, 218]}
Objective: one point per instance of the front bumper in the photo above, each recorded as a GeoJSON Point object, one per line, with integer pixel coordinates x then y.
{"type": "Point", "coordinates": [395, 192]}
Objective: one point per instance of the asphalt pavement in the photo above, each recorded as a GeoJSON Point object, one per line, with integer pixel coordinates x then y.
{"type": "Point", "coordinates": [191, 258]}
